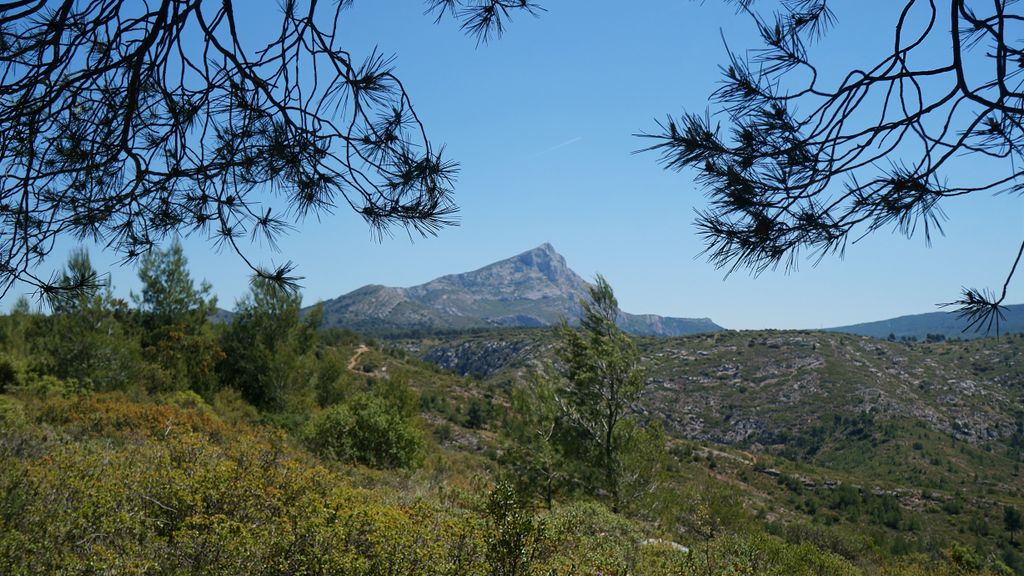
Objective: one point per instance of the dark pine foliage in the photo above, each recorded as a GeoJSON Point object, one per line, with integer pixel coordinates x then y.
{"type": "Point", "coordinates": [125, 122]}
{"type": "Point", "coordinates": [799, 158]}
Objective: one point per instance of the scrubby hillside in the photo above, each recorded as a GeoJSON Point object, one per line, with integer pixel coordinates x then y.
{"type": "Point", "coordinates": [150, 440]}
{"type": "Point", "coordinates": [138, 484]}
{"type": "Point", "coordinates": [933, 433]}
{"type": "Point", "coordinates": [143, 482]}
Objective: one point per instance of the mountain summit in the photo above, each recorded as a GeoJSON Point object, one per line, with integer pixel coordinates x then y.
{"type": "Point", "coordinates": [532, 289]}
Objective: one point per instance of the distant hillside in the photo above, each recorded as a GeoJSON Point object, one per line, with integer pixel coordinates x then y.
{"type": "Point", "coordinates": [534, 289]}
{"type": "Point", "coordinates": [897, 414]}
{"type": "Point", "coordinates": [919, 326]}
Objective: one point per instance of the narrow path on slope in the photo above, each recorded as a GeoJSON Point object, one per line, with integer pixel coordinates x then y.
{"type": "Point", "coordinates": [355, 357]}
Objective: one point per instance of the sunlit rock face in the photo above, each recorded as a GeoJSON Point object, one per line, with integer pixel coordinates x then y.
{"type": "Point", "coordinates": [533, 289]}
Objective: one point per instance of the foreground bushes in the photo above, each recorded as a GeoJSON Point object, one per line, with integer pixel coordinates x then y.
{"type": "Point", "coordinates": [104, 484]}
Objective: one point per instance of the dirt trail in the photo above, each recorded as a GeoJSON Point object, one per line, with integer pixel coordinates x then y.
{"type": "Point", "coordinates": [355, 357]}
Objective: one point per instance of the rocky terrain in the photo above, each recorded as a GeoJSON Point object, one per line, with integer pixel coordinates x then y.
{"type": "Point", "coordinates": [913, 413]}
{"type": "Point", "coordinates": [769, 387]}
{"type": "Point", "coordinates": [533, 289]}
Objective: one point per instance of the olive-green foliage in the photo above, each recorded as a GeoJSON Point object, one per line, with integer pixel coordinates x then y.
{"type": "Point", "coordinates": [365, 430]}
{"type": "Point", "coordinates": [103, 484]}
{"type": "Point", "coordinates": [603, 380]}
{"type": "Point", "coordinates": [264, 345]}
{"type": "Point", "coordinates": [146, 488]}
{"type": "Point", "coordinates": [848, 543]}
{"type": "Point", "coordinates": [643, 462]}
{"type": "Point", "coordinates": [513, 537]}
{"type": "Point", "coordinates": [176, 335]}
{"type": "Point", "coordinates": [333, 381]}
{"type": "Point", "coordinates": [15, 329]}
{"type": "Point", "coordinates": [707, 511]}
{"type": "Point", "coordinates": [956, 560]}
{"type": "Point", "coordinates": [535, 429]}
{"type": "Point", "coordinates": [130, 484]}
{"type": "Point", "coordinates": [86, 337]}
{"type": "Point", "coordinates": [586, 534]}
{"type": "Point", "coordinates": [12, 412]}
{"type": "Point", "coordinates": [169, 295]}
{"type": "Point", "coordinates": [760, 554]}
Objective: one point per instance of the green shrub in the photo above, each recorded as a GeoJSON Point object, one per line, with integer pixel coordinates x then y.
{"type": "Point", "coordinates": [45, 386]}
{"type": "Point", "coordinates": [764, 555]}
{"type": "Point", "coordinates": [849, 544]}
{"type": "Point", "coordinates": [10, 374]}
{"type": "Point", "coordinates": [186, 399]}
{"type": "Point", "coordinates": [232, 408]}
{"type": "Point", "coordinates": [513, 538]}
{"type": "Point", "coordinates": [12, 413]}
{"type": "Point", "coordinates": [366, 430]}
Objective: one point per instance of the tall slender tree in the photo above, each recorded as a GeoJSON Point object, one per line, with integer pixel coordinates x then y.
{"type": "Point", "coordinates": [264, 343]}
{"type": "Point", "coordinates": [172, 313]}
{"type": "Point", "coordinates": [535, 429]}
{"type": "Point", "coordinates": [1013, 520]}
{"type": "Point", "coordinates": [601, 368]}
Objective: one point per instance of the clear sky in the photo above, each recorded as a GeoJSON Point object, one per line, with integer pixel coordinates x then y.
{"type": "Point", "coordinates": [542, 123]}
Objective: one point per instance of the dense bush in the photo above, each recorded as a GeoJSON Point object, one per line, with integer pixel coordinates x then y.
{"type": "Point", "coordinates": [195, 496]}
{"type": "Point", "coordinates": [365, 430]}
{"type": "Point", "coordinates": [12, 413]}
{"type": "Point", "coordinates": [265, 346]}
{"type": "Point", "coordinates": [109, 485]}
{"type": "Point", "coordinates": [513, 538]}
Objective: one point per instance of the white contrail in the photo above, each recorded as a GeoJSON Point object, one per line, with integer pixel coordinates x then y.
{"type": "Point", "coordinates": [568, 142]}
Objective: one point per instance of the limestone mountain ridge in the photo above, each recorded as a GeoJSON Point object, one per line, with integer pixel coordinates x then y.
{"type": "Point", "coordinates": [536, 288]}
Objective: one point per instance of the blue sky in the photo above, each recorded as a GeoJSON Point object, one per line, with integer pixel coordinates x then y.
{"type": "Point", "coordinates": [542, 123]}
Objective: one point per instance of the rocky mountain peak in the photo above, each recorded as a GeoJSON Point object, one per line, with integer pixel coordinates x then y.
{"type": "Point", "coordinates": [545, 260]}
{"type": "Point", "coordinates": [534, 288]}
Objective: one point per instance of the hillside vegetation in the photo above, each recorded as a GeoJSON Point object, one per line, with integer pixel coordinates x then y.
{"type": "Point", "coordinates": [145, 439]}
{"type": "Point", "coordinates": [909, 444]}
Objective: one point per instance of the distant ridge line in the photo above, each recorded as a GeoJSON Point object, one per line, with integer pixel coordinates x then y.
{"type": "Point", "coordinates": [946, 324]}
{"type": "Point", "coordinates": [532, 289]}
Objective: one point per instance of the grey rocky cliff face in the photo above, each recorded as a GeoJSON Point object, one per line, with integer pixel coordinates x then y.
{"type": "Point", "coordinates": [533, 289]}
{"type": "Point", "coordinates": [482, 358]}
{"type": "Point", "coordinates": [533, 275]}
